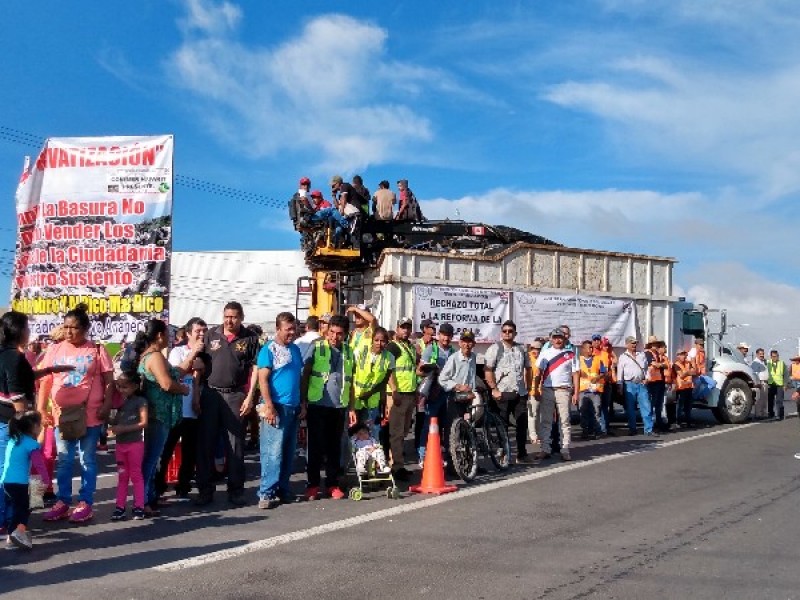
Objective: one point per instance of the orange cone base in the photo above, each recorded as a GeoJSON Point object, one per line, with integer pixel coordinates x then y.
{"type": "Point", "coordinates": [418, 489]}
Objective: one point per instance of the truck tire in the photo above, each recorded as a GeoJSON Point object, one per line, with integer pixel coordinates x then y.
{"type": "Point", "coordinates": [735, 402]}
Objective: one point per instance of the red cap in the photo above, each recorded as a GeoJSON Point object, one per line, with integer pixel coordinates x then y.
{"type": "Point", "coordinates": [305, 181]}
{"type": "Point", "coordinates": [316, 194]}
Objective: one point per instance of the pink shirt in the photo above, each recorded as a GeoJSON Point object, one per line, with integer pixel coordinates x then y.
{"type": "Point", "coordinates": [85, 382]}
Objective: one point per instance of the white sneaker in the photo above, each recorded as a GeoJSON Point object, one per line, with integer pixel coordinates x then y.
{"type": "Point", "coordinates": [385, 470]}
{"type": "Point", "coordinates": [361, 471]}
{"type": "Point", "coordinates": [22, 539]}
{"type": "Point", "coordinates": [797, 456]}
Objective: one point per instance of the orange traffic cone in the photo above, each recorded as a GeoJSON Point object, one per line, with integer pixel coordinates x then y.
{"type": "Point", "coordinates": [432, 469]}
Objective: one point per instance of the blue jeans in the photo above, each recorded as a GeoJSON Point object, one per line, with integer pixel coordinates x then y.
{"type": "Point", "coordinates": [657, 391]}
{"type": "Point", "coordinates": [3, 444]}
{"type": "Point", "coordinates": [636, 393]}
{"type": "Point", "coordinates": [87, 455]}
{"type": "Point", "coordinates": [435, 408]}
{"type": "Point", "coordinates": [278, 446]}
{"type": "Point", "coordinates": [332, 216]}
{"type": "Point", "coordinates": [605, 408]}
{"type": "Point", "coordinates": [155, 438]}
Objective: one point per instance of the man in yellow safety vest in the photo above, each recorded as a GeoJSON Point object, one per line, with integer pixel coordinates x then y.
{"type": "Point", "coordinates": [403, 400]}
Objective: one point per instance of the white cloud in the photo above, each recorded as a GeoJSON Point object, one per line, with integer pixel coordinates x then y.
{"type": "Point", "coordinates": [207, 17]}
{"type": "Point", "coordinates": [328, 92]}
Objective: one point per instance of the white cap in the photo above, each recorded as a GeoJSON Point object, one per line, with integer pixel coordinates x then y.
{"type": "Point", "coordinates": [743, 345]}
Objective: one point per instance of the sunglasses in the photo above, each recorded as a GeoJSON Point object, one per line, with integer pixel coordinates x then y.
{"type": "Point", "coordinates": [509, 331]}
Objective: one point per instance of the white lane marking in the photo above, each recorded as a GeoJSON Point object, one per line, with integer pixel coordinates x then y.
{"type": "Point", "coordinates": [378, 515]}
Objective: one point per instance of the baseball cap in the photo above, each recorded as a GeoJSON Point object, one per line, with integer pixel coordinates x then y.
{"type": "Point", "coordinates": [316, 194]}
{"type": "Point", "coordinates": [595, 337]}
{"type": "Point", "coordinates": [427, 323]}
{"type": "Point", "coordinates": [305, 181]}
{"type": "Point", "coordinates": [336, 179]}
{"type": "Point", "coordinates": [467, 336]}
{"type": "Point", "coordinates": [557, 333]}
{"type": "Point", "coordinates": [630, 339]}
{"type": "Point", "coordinates": [405, 322]}
{"type": "Point", "coordinates": [743, 345]}
{"type": "Point", "coordinates": [537, 345]}
{"type": "Point", "coordinates": [446, 329]}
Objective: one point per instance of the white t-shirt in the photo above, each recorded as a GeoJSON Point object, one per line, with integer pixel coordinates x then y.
{"type": "Point", "coordinates": [305, 342]}
{"type": "Point", "coordinates": [176, 356]}
{"type": "Point", "coordinates": [561, 376]}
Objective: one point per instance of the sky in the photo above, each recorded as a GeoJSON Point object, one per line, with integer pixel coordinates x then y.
{"type": "Point", "coordinates": [661, 127]}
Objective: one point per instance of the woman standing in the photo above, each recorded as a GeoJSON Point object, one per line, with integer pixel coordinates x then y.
{"type": "Point", "coordinates": [84, 395]}
{"type": "Point", "coordinates": [164, 392]}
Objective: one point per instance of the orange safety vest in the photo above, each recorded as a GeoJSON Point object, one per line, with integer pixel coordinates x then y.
{"type": "Point", "coordinates": [700, 362]}
{"type": "Point", "coordinates": [654, 373]}
{"type": "Point", "coordinates": [607, 356]}
{"type": "Point", "coordinates": [534, 391]}
{"type": "Point", "coordinates": [683, 380]}
{"type": "Point", "coordinates": [668, 373]}
{"type": "Point", "coordinates": [587, 373]}
{"type": "Point", "coordinates": [796, 371]}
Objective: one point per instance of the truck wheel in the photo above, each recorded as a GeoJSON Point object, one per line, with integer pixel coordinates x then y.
{"type": "Point", "coordinates": [735, 401]}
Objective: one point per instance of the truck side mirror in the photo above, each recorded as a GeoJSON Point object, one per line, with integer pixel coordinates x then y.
{"type": "Point", "coordinates": [692, 323]}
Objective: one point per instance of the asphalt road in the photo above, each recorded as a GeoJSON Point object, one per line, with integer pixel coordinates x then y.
{"type": "Point", "coordinates": [704, 514]}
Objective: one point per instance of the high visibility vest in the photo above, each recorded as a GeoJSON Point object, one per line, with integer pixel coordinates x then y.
{"type": "Point", "coordinates": [668, 372]}
{"type": "Point", "coordinates": [796, 371]}
{"type": "Point", "coordinates": [607, 356]}
{"type": "Point", "coordinates": [775, 373]}
{"type": "Point", "coordinates": [683, 381]}
{"type": "Point", "coordinates": [653, 372]}
{"type": "Point", "coordinates": [534, 391]}
{"type": "Point", "coordinates": [421, 345]}
{"type": "Point", "coordinates": [588, 372]}
{"type": "Point", "coordinates": [700, 362]}
{"type": "Point", "coordinates": [371, 369]}
{"type": "Point", "coordinates": [405, 367]}
{"type": "Point", "coordinates": [360, 342]}
{"type": "Point", "coordinates": [321, 369]}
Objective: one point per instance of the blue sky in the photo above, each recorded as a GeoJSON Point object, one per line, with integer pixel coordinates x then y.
{"type": "Point", "coordinates": [664, 127]}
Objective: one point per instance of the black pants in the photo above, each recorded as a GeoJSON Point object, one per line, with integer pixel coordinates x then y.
{"type": "Point", "coordinates": [509, 404]}
{"type": "Point", "coordinates": [185, 432]}
{"type": "Point", "coordinates": [219, 414]}
{"type": "Point", "coordinates": [18, 504]}
{"type": "Point", "coordinates": [656, 390]}
{"type": "Point", "coordinates": [775, 401]}
{"type": "Point", "coordinates": [685, 405]}
{"type": "Point", "coordinates": [325, 427]}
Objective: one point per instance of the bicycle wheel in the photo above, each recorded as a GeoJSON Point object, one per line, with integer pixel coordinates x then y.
{"type": "Point", "coordinates": [463, 449]}
{"type": "Point", "coordinates": [497, 441]}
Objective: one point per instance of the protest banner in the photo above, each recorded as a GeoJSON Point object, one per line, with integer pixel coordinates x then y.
{"type": "Point", "coordinates": [480, 310]}
{"type": "Point", "coordinates": [536, 314]}
{"type": "Point", "coordinates": [94, 220]}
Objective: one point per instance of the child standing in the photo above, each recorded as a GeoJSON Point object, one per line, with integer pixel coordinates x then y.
{"type": "Point", "coordinates": [128, 425]}
{"type": "Point", "coordinates": [367, 447]}
{"type": "Point", "coordinates": [22, 453]}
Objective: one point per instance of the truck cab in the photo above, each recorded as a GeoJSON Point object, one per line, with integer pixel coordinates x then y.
{"type": "Point", "coordinates": [736, 384]}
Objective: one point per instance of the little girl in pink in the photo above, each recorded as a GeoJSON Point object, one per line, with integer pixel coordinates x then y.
{"type": "Point", "coordinates": [128, 425]}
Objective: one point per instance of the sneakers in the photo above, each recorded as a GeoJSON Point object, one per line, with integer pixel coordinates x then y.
{"type": "Point", "coordinates": [269, 503]}
{"type": "Point", "coordinates": [82, 513]}
{"type": "Point", "coordinates": [565, 456]}
{"type": "Point", "coordinates": [361, 471]}
{"type": "Point", "coordinates": [118, 514]}
{"type": "Point", "coordinates": [21, 538]}
{"type": "Point", "coordinates": [385, 470]}
{"type": "Point", "coordinates": [59, 511]}
{"type": "Point", "coordinates": [311, 493]}
{"type": "Point", "coordinates": [336, 493]}
{"type": "Point", "coordinates": [138, 514]}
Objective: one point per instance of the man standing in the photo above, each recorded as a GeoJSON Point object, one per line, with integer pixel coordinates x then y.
{"type": "Point", "coordinates": [404, 395]}
{"type": "Point", "coordinates": [183, 356]}
{"type": "Point", "coordinates": [326, 391]}
{"type": "Point", "coordinates": [233, 349]}
{"type": "Point", "coordinates": [534, 394]}
{"type": "Point", "coordinates": [557, 382]}
{"type": "Point", "coordinates": [601, 347]}
{"type": "Point", "coordinates": [508, 377]}
{"type": "Point", "coordinates": [759, 367]}
{"type": "Point", "coordinates": [777, 381]}
{"type": "Point", "coordinates": [428, 332]}
{"type": "Point", "coordinates": [383, 202]}
{"type": "Point", "coordinates": [409, 207]}
{"type": "Point", "coordinates": [631, 376]}
{"type": "Point", "coordinates": [306, 341]}
{"type": "Point", "coordinates": [745, 350]}
{"type": "Point", "coordinates": [457, 377]}
{"type": "Point", "coordinates": [656, 379]}
{"type": "Point", "coordinates": [279, 369]}
{"type": "Point", "coordinates": [592, 382]}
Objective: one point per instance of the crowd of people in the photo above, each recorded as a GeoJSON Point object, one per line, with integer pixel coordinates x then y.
{"type": "Point", "coordinates": [349, 205]}
{"type": "Point", "coordinates": [346, 390]}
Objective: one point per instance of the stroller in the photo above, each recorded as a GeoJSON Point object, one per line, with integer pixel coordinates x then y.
{"type": "Point", "coordinates": [372, 478]}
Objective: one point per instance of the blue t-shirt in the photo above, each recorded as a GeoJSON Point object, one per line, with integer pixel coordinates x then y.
{"type": "Point", "coordinates": [18, 460]}
{"type": "Point", "coordinates": [286, 366]}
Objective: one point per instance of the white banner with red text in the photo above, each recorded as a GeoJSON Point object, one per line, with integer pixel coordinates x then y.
{"type": "Point", "coordinates": [480, 310]}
